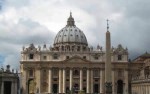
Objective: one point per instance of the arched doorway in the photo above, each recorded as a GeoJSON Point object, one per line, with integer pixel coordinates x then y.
{"type": "Point", "coordinates": [31, 86]}
{"type": "Point", "coordinates": [119, 87]}
{"type": "Point", "coordinates": [95, 88]}
{"type": "Point", "coordinates": [67, 90]}
{"type": "Point", "coordinates": [76, 88]}
{"type": "Point", "coordinates": [7, 87]}
{"type": "Point", "coordinates": [55, 88]}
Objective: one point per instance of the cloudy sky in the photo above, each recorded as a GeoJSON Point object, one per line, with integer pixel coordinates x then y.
{"type": "Point", "coordinates": [37, 21]}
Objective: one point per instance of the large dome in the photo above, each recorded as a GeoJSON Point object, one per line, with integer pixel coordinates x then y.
{"type": "Point", "coordinates": [70, 34]}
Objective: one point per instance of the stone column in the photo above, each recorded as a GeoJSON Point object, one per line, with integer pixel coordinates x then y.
{"type": "Point", "coordinates": [102, 77]}
{"type": "Point", "coordinates": [113, 81]}
{"type": "Point", "coordinates": [148, 89]}
{"type": "Point", "coordinates": [16, 90]}
{"type": "Point", "coordinates": [60, 80]}
{"type": "Point", "coordinates": [2, 88]}
{"type": "Point", "coordinates": [91, 80]}
{"type": "Point", "coordinates": [139, 89]}
{"type": "Point", "coordinates": [88, 82]}
{"type": "Point", "coordinates": [71, 79]}
{"type": "Point", "coordinates": [24, 81]}
{"type": "Point", "coordinates": [64, 81]}
{"type": "Point", "coordinates": [12, 88]}
{"type": "Point", "coordinates": [38, 80]}
{"type": "Point", "coordinates": [81, 79]}
{"type": "Point", "coordinates": [126, 81]}
{"type": "Point", "coordinates": [50, 81]}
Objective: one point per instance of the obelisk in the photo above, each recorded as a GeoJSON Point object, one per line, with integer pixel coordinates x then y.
{"type": "Point", "coordinates": [108, 78]}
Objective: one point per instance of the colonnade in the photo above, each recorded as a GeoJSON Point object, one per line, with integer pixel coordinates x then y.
{"type": "Point", "coordinates": [89, 80]}
{"type": "Point", "coordinates": [141, 89]}
{"type": "Point", "coordinates": [13, 87]}
{"type": "Point", "coordinates": [67, 79]}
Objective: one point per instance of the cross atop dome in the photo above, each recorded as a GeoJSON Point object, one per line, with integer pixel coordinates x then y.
{"type": "Point", "coordinates": [70, 21]}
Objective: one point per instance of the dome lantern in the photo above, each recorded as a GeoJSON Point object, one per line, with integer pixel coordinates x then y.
{"type": "Point", "coordinates": [70, 21]}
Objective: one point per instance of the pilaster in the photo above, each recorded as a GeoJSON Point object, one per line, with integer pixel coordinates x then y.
{"type": "Point", "coordinates": [50, 81]}
{"type": "Point", "coordinates": [91, 80]}
{"type": "Point", "coordinates": [2, 88]}
{"type": "Point", "coordinates": [71, 79]}
{"type": "Point", "coordinates": [81, 79]}
{"type": "Point", "coordinates": [126, 81]}
{"type": "Point", "coordinates": [88, 82]}
{"type": "Point", "coordinates": [102, 77]}
{"type": "Point", "coordinates": [113, 82]}
{"type": "Point", "coordinates": [38, 80]}
{"type": "Point", "coordinates": [64, 81]}
{"type": "Point", "coordinates": [60, 80]}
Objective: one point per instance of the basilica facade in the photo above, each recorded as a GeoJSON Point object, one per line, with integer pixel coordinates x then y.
{"type": "Point", "coordinates": [70, 65]}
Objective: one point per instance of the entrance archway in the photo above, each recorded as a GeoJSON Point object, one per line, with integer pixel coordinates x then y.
{"type": "Point", "coordinates": [7, 87]}
{"type": "Point", "coordinates": [55, 88]}
{"type": "Point", "coordinates": [76, 88]}
{"type": "Point", "coordinates": [31, 86]}
{"type": "Point", "coordinates": [95, 88]}
{"type": "Point", "coordinates": [119, 87]}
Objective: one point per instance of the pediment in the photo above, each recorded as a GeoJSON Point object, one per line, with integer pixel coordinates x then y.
{"type": "Point", "coordinates": [76, 59]}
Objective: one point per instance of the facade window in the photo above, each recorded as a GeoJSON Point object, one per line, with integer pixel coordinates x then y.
{"type": "Point", "coordinates": [78, 49]}
{"type": "Point", "coordinates": [96, 57]}
{"type": "Point", "coordinates": [67, 57]}
{"type": "Point", "coordinates": [84, 57]}
{"type": "Point", "coordinates": [55, 56]}
{"type": "Point", "coordinates": [84, 48]}
{"type": "Point", "coordinates": [72, 48]}
{"type": "Point", "coordinates": [30, 73]}
{"type": "Point", "coordinates": [120, 73]}
{"type": "Point", "coordinates": [119, 57]}
{"type": "Point", "coordinates": [67, 73]}
{"type": "Point", "coordinates": [96, 80]}
{"type": "Point", "coordinates": [84, 72]}
{"type": "Point", "coordinates": [76, 72]}
{"type": "Point", "coordinates": [55, 79]}
{"type": "Point", "coordinates": [96, 73]}
{"type": "Point", "coordinates": [44, 57]}
{"type": "Point", "coordinates": [31, 56]}
{"type": "Point", "coordinates": [62, 48]}
{"type": "Point", "coordinates": [44, 74]}
{"type": "Point", "coordinates": [55, 72]}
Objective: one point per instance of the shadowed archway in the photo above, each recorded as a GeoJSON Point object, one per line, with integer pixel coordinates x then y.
{"type": "Point", "coordinates": [119, 87]}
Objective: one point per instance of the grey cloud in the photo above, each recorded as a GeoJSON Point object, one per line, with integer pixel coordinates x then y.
{"type": "Point", "coordinates": [132, 30]}
{"type": "Point", "coordinates": [14, 36]}
{"type": "Point", "coordinates": [16, 3]}
{"type": "Point", "coordinates": [26, 31]}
